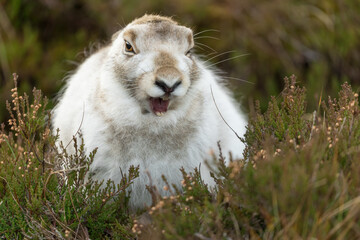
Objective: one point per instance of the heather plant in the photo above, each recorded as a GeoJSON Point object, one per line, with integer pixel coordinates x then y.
{"type": "Point", "coordinates": [298, 179]}
{"type": "Point", "coordinates": [46, 192]}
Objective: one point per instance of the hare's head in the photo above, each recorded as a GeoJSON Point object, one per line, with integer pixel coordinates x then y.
{"type": "Point", "coordinates": [153, 61]}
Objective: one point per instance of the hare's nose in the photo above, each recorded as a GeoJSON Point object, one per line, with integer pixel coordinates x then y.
{"type": "Point", "coordinates": [166, 88]}
{"type": "Point", "coordinates": [168, 78]}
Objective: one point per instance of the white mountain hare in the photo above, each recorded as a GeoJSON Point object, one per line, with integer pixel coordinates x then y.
{"type": "Point", "coordinates": [146, 100]}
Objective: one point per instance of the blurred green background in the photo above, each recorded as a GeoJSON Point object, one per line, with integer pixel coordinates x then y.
{"type": "Point", "coordinates": [318, 40]}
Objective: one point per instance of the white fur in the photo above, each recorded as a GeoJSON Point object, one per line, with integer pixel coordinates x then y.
{"type": "Point", "coordinates": [127, 133]}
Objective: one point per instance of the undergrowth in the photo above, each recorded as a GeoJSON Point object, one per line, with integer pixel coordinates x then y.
{"type": "Point", "coordinates": [39, 198]}
{"type": "Point", "coordinates": [299, 180]}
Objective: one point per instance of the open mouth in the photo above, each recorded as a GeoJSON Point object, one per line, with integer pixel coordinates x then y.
{"type": "Point", "coordinates": [159, 106]}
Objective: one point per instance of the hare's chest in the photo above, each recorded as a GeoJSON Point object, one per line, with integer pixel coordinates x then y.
{"type": "Point", "coordinates": [143, 145]}
{"type": "Point", "coordinates": [142, 142]}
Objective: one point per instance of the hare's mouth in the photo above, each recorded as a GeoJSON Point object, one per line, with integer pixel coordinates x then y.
{"type": "Point", "coordinates": [159, 106]}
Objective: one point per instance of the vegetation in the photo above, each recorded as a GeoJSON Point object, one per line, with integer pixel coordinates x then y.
{"type": "Point", "coordinates": [299, 179]}
{"type": "Point", "coordinates": [38, 198]}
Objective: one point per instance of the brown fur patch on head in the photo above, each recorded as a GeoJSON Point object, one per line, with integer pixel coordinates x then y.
{"type": "Point", "coordinates": [168, 72]}
{"type": "Point", "coordinates": [146, 19]}
{"type": "Point", "coordinates": [190, 39]}
{"type": "Point", "coordinates": [130, 35]}
{"type": "Point", "coordinates": [165, 59]}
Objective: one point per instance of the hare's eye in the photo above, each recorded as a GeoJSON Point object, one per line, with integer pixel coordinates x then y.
{"type": "Point", "coordinates": [128, 47]}
{"type": "Point", "coordinates": [189, 52]}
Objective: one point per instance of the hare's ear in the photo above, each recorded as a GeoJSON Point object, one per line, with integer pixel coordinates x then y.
{"type": "Point", "coordinates": [190, 36]}
{"type": "Point", "coordinates": [115, 35]}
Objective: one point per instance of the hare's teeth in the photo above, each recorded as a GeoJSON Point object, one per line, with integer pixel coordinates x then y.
{"type": "Point", "coordinates": [159, 114]}
{"type": "Point", "coordinates": [165, 98]}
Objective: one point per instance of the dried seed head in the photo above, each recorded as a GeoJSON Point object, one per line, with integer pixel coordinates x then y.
{"type": "Point", "coordinates": [183, 182]}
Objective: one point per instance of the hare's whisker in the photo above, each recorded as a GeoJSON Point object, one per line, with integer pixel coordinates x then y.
{"type": "Point", "coordinates": [218, 55]}
{"type": "Point", "coordinates": [228, 59]}
{"type": "Point", "coordinates": [208, 30]}
{"type": "Point", "coordinates": [202, 44]}
{"type": "Point", "coordinates": [210, 37]}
